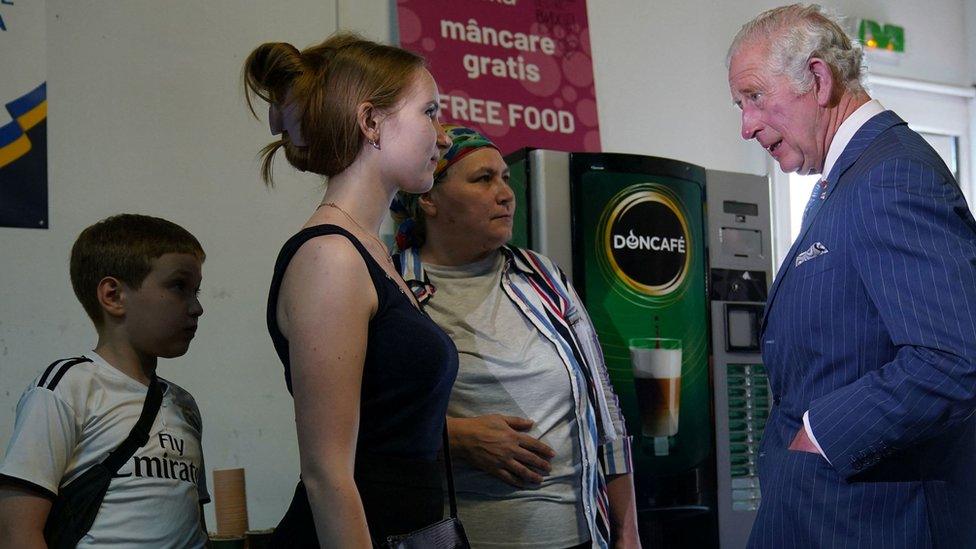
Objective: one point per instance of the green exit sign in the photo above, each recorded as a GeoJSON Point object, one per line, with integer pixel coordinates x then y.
{"type": "Point", "coordinates": [876, 36]}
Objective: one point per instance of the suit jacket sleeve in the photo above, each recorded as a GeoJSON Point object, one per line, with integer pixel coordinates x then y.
{"type": "Point", "coordinates": [915, 253]}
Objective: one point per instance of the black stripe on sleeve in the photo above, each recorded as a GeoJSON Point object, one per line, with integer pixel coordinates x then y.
{"type": "Point", "coordinates": [60, 374]}
{"type": "Point", "coordinates": [49, 369]}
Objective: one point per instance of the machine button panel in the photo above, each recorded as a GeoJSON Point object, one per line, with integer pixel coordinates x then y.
{"type": "Point", "coordinates": [749, 401]}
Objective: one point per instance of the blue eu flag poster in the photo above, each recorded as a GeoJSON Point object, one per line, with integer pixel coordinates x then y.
{"type": "Point", "coordinates": [23, 116]}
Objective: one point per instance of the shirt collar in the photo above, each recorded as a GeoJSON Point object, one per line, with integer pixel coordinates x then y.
{"type": "Point", "coordinates": [847, 130]}
{"type": "Point", "coordinates": [412, 269]}
{"type": "Point", "coordinates": [516, 260]}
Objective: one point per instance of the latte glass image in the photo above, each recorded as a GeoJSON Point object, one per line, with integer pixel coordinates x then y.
{"type": "Point", "coordinates": [656, 364]}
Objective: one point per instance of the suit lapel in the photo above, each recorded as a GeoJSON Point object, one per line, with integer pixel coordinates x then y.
{"type": "Point", "coordinates": [862, 138]}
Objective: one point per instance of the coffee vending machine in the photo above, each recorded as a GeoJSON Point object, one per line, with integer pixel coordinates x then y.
{"type": "Point", "coordinates": [673, 263]}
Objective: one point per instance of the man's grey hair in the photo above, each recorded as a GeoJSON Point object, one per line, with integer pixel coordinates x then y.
{"type": "Point", "coordinates": [795, 34]}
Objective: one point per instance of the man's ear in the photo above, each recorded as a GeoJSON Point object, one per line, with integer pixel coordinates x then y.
{"type": "Point", "coordinates": [823, 81]}
{"type": "Point", "coordinates": [368, 117]}
{"type": "Point", "coordinates": [427, 205]}
{"type": "Point", "coordinates": [111, 296]}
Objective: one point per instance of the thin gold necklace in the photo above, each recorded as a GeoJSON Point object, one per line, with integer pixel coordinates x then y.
{"type": "Point", "coordinates": [360, 227]}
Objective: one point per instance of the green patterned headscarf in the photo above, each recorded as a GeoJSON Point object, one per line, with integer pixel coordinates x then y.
{"type": "Point", "coordinates": [404, 209]}
{"type": "Point", "coordinates": [463, 141]}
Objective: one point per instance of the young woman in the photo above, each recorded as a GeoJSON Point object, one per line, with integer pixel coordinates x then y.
{"type": "Point", "coordinates": [370, 373]}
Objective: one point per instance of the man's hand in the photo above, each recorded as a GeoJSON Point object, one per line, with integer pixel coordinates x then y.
{"type": "Point", "coordinates": [498, 445]}
{"type": "Point", "coordinates": [802, 443]}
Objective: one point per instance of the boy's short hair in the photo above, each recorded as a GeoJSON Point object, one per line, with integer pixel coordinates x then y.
{"type": "Point", "coordinates": [123, 246]}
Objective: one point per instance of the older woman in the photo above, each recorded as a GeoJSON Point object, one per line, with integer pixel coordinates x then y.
{"type": "Point", "coordinates": [545, 460]}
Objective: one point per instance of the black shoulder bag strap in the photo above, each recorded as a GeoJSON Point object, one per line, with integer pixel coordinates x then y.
{"type": "Point", "coordinates": [77, 504]}
{"type": "Point", "coordinates": [452, 497]}
{"type": "Point", "coordinates": [139, 435]}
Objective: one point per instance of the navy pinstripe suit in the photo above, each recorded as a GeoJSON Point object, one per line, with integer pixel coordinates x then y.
{"type": "Point", "coordinates": [871, 326]}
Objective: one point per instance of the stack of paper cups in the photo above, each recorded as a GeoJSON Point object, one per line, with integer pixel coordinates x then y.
{"type": "Point", "coordinates": [230, 501]}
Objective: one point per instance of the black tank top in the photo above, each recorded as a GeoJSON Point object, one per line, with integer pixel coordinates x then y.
{"type": "Point", "coordinates": [408, 371]}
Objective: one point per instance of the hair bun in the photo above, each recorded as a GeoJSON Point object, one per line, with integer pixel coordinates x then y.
{"type": "Point", "coordinates": [314, 96]}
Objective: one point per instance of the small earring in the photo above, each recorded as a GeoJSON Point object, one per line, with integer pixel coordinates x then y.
{"type": "Point", "coordinates": [375, 144]}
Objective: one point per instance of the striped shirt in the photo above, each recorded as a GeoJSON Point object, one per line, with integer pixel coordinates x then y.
{"type": "Point", "coordinates": [540, 290]}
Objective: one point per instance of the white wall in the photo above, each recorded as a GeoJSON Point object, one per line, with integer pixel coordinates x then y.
{"type": "Point", "coordinates": [660, 75]}
{"type": "Point", "coordinates": [146, 115]}
{"type": "Point", "coordinates": [969, 16]}
{"type": "Point", "coordinates": [661, 81]}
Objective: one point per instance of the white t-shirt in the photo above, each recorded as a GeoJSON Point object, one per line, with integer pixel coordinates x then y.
{"type": "Point", "coordinates": [507, 367]}
{"type": "Point", "coordinates": [70, 418]}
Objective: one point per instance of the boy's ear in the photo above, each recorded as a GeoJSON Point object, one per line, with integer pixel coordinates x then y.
{"type": "Point", "coordinates": [111, 296]}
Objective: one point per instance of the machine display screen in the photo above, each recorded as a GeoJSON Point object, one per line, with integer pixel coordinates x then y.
{"type": "Point", "coordinates": [740, 208]}
{"type": "Point", "coordinates": [742, 323]}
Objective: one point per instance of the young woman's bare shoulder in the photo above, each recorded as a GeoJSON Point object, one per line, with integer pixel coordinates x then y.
{"type": "Point", "coordinates": [328, 270]}
{"type": "Point", "coordinates": [328, 254]}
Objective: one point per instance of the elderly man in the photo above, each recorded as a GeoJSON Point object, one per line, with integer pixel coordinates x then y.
{"type": "Point", "coordinates": [870, 331]}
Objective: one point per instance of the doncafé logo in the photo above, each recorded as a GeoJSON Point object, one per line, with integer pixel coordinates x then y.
{"type": "Point", "coordinates": [646, 242]}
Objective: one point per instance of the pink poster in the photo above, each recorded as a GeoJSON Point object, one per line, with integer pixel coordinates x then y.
{"type": "Point", "coordinates": [518, 70]}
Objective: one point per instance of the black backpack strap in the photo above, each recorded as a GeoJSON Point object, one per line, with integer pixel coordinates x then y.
{"type": "Point", "coordinates": [140, 433]}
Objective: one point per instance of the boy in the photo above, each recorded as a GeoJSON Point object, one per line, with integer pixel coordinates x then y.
{"type": "Point", "coordinates": [137, 278]}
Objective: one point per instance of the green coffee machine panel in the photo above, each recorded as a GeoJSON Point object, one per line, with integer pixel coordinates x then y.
{"type": "Point", "coordinates": [629, 230]}
{"type": "Point", "coordinates": [639, 262]}
{"type": "Point", "coordinates": [635, 234]}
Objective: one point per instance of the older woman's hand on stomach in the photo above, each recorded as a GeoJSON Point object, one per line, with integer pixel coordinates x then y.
{"type": "Point", "coordinates": [500, 446]}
